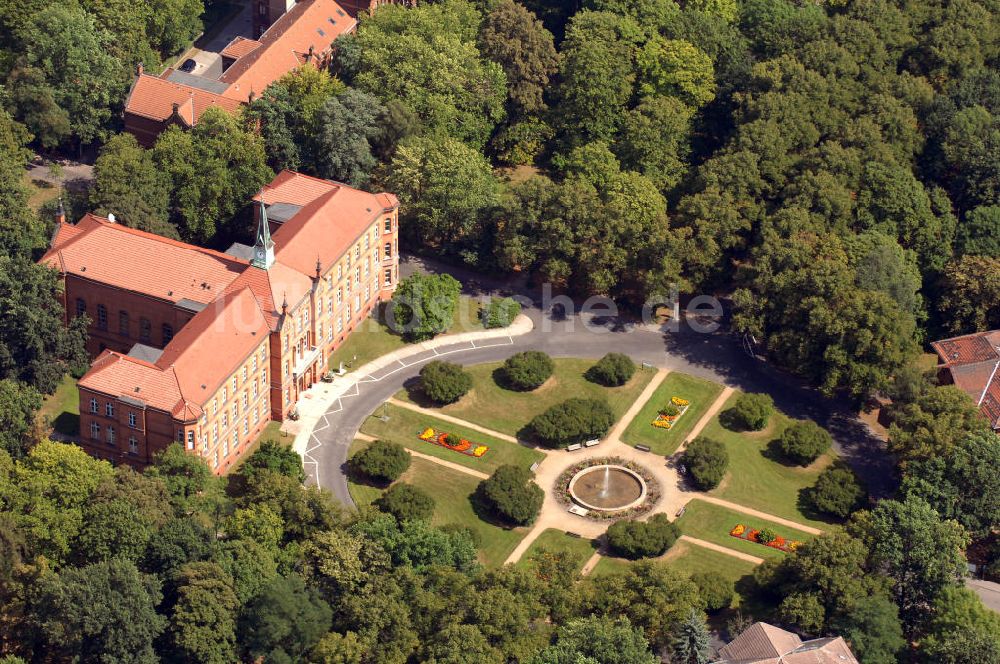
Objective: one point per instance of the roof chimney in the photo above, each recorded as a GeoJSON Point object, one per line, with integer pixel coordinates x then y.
{"type": "Point", "coordinates": [60, 212]}
{"type": "Point", "coordinates": [139, 69]}
{"type": "Point", "coordinates": [111, 217]}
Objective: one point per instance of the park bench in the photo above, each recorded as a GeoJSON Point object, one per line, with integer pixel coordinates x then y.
{"type": "Point", "coordinates": [592, 442]}
{"type": "Point", "coordinates": [579, 511]}
{"type": "Point", "coordinates": [574, 447]}
{"type": "Point", "coordinates": [642, 448]}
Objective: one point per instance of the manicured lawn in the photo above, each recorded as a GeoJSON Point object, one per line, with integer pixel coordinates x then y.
{"type": "Point", "coordinates": [509, 411]}
{"type": "Point", "coordinates": [372, 338]}
{"type": "Point", "coordinates": [757, 477]}
{"type": "Point", "coordinates": [712, 523]}
{"type": "Point", "coordinates": [557, 541]}
{"type": "Point", "coordinates": [405, 425]}
{"type": "Point", "coordinates": [62, 409]}
{"type": "Point", "coordinates": [608, 565]}
{"type": "Point", "coordinates": [701, 393]}
{"type": "Point", "coordinates": [452, 492]}
{"type": "Point", "coordinates": [690, 559]}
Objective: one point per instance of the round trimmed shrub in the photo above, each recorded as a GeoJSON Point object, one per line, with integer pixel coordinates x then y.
{"type": "Point", "coordinates": [752, 411]}
{"type": "Point", "coordinates": [406, 502]}
{"type": "Point", "coordinates": [803, 442]}
{"type": "Point", "coordinates": [837, 492]}
{"type": "Point", "coordinates": [528, 370]}
{"type": "Point", "coordinates": [573, 421]}
{"type": "Point", "coordinates": [612, 370]}
{"type": "Point", "coordinates": [511, 494]}
{"type": "Point", "coordinates": [716, 591]}
{"type": "Point", "coordinates": [766, 536]}
{"type": "Point", "coordinates": [642, 539]}
{"type": "Point", "coordinates": [382, 461]}
{"type": "Point", "coordinates": [444, 382]}
{"type": "Point", "coordinates": [500, 312]}
{"type": "Point", "coordinates": [706, 462]}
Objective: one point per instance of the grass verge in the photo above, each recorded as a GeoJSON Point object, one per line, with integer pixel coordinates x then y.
{"type": "Point", "coordinates": [493, 406]}
{"type": "Point", "coordinates": [372, 338]}
{"type": "Point", "coordinates": [712, 523]}
{"type": "Point", "coordinates": [404, 426]}
{"type": "Point", "coordinates": [758, 477]}
{"type": "Point", "coordinates": [62, 408]}
{"type": "Point", "coordinates": [452, 492]}
{"type": "Point", "coordinates": [701, 393]}
{"type": "Point", "coordinates": [559, 542]}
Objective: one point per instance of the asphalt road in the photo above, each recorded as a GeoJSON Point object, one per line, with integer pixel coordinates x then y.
{"type": "Point", "coordinates": [716, 356]}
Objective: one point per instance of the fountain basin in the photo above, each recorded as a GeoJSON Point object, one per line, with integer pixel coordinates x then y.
{"type": "Point", "coordinates": [607, 488]}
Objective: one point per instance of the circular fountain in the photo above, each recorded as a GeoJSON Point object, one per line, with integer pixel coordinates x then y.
{"type": "Point", "coordinates": [607, 488]}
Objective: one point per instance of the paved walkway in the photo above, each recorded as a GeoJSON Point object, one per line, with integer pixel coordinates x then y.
{"type": "Point", "coordinates": [721, 549]}
{"type": "Point", "coordinates": [615, 435]}
{"type": "Point", "coordinates": [591, 563]}
{"type": "Point", "coordinates": [437, 414]}
{"type": "Point", "coordinates": [749, 511]}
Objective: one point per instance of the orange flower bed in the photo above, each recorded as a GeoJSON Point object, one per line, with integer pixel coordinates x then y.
{"type": "Point", "coordinates": [740, 531]}
{"type": "Point", "coordinates": [453, 443]}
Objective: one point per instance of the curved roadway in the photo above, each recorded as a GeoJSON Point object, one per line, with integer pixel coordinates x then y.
{"type": "Point", "coordinates": [715, 356]}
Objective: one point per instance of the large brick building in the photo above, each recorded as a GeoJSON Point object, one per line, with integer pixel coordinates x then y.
{"type": "Point", "coordinates": [206, 348]}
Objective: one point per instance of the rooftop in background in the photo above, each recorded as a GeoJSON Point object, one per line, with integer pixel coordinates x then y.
{"type": "Point", "coordinates": [308, 28]}
{"type": "Point", "coordinates": [762, 643]}
{"type": "Point", "coordinates": [972, 361]}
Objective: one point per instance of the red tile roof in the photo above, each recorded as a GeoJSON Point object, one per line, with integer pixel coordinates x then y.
{"type": "Point", "coordinates": [153, 97]}
{"type": "Point", "coordinates": [214, 343]}
{"type": "Point", "coordinates": [274, 286]}
{"type": "Point", "coordinates": [973, 361]}
{"type": "Point", "coordinates": [123, 376]}
{"type": "Point", "coordinates": [327, 224]}
{"type": "Point", "coordinates": [284, 46]}
{"type": "Point", "coordinates": [762, 643]}
{"type": "Point", "coordinates": [239, 47]}
{"type": "Point", "coordinates": [134, 260]}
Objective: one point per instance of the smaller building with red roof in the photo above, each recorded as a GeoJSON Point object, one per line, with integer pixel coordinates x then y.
{"type": "Point", "coordinates": [204, 347]}
{"type": "Point", "coordinates": [303, 33]}
{"type": "Point", "coordinates": [972, 363]}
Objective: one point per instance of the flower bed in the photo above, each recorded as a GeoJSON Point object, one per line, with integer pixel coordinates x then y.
{"type": "Point", "coordinates": [764, 537]}
{"type": "Point", "coordinates": [652, 488]}
{"type": "Point", "coordinates": [666, 418]}
{"type": "Point", "coordinates": [452, 442]}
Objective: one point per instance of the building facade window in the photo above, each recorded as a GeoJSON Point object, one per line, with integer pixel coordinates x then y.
{"type": "Point", "coordinates": [109, 409]}
{"type": "Point", "coordinates": [388, 277]}
{"type": "Point", "coordinates": [388, 225]}
{"type": "Point", "coordinates": [111, 435]}
{"type": "Point", "coordinates": [145, 330]}
{"type": "Point", "coordinates": [190, 440]}
{"type": "Point", "coordinates": [123, 323]}
{"type": "Point", "coordinates": [131, 419]}
{"type": "Point", "coordinates": [95, 430]}
{"type": "Point", "coordinates": [133, 445]}
{"type": "Point", "coordinates": [102, 317]}
{"type": "Point", "coordinates": [388, 250]}
{"type": "Point", "coordinates": [168, 333]}
{"type": "Point", "coordinates": [93, 406]}
{"type": "Point", "coordinates": [81, 306]}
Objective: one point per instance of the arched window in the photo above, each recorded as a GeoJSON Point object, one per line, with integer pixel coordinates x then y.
{"type": "Point", "coordinates": [102, 317]}
{"type": "Point", "coordinates": [81, 306]}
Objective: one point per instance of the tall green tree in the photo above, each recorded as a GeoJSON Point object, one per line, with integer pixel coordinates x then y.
{"type": "Point", "coordinates": [970, 294]}
{"type": "Point", "coordinates": [129, 184]}
{"type": "Point", "coordinates": [346, 127]}
{"type": "Point", "coordinates": [922, 553]}
{"type": "Point", "coordinates": [203, 620]}
{"type": "Point", "coordinates": [21, 231]}
{"type": "Point", "coordinates": [690, 644]}
{"type": "Point", "coordinates": [676, 68]}
{"type": "Point", "coordinates": [36, 346]}
{"type": "Point", "coordinates": [19, 405]}
{"type": "Point", "coordinates": [597, 639]}
{"type": "Point", "coordinates": [284, 621]}
{"type": "Point", "coordinates": [68, 47]}
{"type": "Point", "coordinates": [444, 187]}
{"type": "Point", "coordinates": [513, 38]}
{"type": "Point", "coordinates": [102, 612]}
{"type": "Point", "coordinates": [427, 58]}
